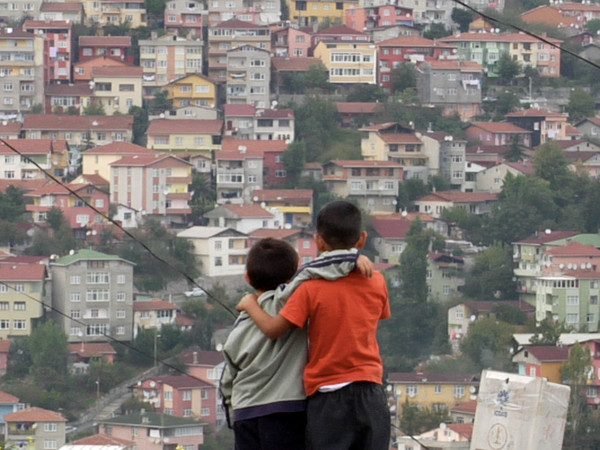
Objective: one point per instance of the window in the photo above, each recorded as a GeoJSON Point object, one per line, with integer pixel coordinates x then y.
{"type": "Point", "coordinates": [572, 318]}
{"type": "Point", "coordinates": [50, 427]}
{"type": "Point", "coordinates": [19, 306]}
{"type": "Point", "coordinates": [50, 444]}
{"type": "Point", "coordinates": [572, 300]}
{"type": "Point", "coordinates": [121, 314]}
{"type": "Point", "coordinates": [187, 412]}
{"type": "Point", "coordinates": [20, 287]}
{"type": "Point", "coordinates": [186, 396]}
{"type": "Point", "coordinates": [97, 295]}
{"type": "Point", "coordinates": [437, 389]}
{"type": "Point", "coordinates": [4, 306]}
{"type": "Point", "coordinates": [204, 394]}
{"type": "Point", "coordinates": [120, 279]}
{"type": "Point", "coordinates": [75, 279]}
{"type": "Point", "coordinates": [75, 314]}
{"type": "Point", "coordinates": [412, 390]}
{"type": "Point", "coordinates": [459, 391]}
{"type": "Point", "coordinates": [218, 261]}
{"type": "Point", "coordinates": [75, 296]}
{"type": "Point", "coordinates": [97, 278]}
{"type": "Point", "coordinates": [20, 325]}
{"type": "Point", "coordinates": [205, 412]}
{"type": "Point", "coordinates": [593, 299]}
{"type": "Point", "coordinates": [4, 324]}
{"type": "Point", "coordinates": [120, 330]}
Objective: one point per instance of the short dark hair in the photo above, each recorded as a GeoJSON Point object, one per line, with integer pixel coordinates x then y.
{"type": "Point", "coordinates": [271, 262]}
{"type": "Point", "coordinates": [339, 223]}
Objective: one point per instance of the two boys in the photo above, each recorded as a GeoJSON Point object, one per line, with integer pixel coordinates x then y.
{"type": "Point", "coordinates": [346, 405]}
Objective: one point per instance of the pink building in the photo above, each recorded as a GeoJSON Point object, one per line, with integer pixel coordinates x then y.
{"type": "Point", "coordinates": [180, 396]}
{"type": "Point", "coordinates": [115, 47]}
{"type": "Point", "coordinates": [154, 431]}
{"type": "Point", "coordinates": [4, 349]}
{"type": "Point", "coordinates": [571, 257]}
{"type": "Point", "coordinates": [497, 133]}
{"type": "Point", "coordinates": [378, 17]}
{"type": "Point", "coordinates": [301, 240]}
{"type": "Point", "coordinates": [290, 42]}
{"type": "Point", "coordinates": [415, 49]}
{"type": "Point", "coordinates": [58, 47]}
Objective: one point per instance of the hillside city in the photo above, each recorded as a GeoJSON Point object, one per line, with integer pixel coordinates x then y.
{"type": "Point", "coordinates": [146, 145]}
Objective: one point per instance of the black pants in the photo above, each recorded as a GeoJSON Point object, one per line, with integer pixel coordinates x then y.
{"type": "Point", "coordinates": [281, 431]}
{"type": "Point", "coordinates": [355, 417]}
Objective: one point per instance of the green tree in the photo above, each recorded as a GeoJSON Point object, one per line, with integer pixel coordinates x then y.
{"type": "Point", "coordinates": [516, 152]}
{"type": "Point", "coordinates": [593, 26]}
{"type": "Point", "coordinates": [315, 119]}
{"type": "Point", "coordinates": [581, 105]}
{"type": "Point", "coordinates": [366, 93]}
{"type": "Point", "coordinates": [294, 158]}
{"type": "Point", "coordinates": [404, 77]}
{"type": "Point", "coordinates": [12, 204]}
{"type": "Point", "coordinates": [462, 17]}
{"type": "Point", "coordinates": [48, 348]}
{"type": "Point", "coordinates": [507, 68]}
{"type": "Point", "coordinates": [488, 344]}
{"type": "Point", "coordinates": [491, 275]}
{"type": "Point", "coordinates": [547, 332]}
{"type": "Point", "coordinates": [140, 125]}
{"type": "Point", "coordinates": [436, 31]}
{"type": "Point", "coordinates": [161, 102]}
{"type": "Point", "coordinates": [94, 108]}
{"type": "Point", "coordinates": [55, 218]}
{"type": "Point", "coordinates": [204, 196]}
{"type": "Point", "coordinates": [550, 164]}
{"type": "Point", "coordinates": [576, 372]}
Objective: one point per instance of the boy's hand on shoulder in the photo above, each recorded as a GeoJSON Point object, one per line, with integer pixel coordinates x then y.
{"type": "Point", "coordinates": [247, 300]}
{"type": "Point", "coordinates": [365, 266]}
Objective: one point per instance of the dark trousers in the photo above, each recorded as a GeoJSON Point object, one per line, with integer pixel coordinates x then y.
{"type": "Point", "coordinates": [355, 417]}
{"type": "Point", "coordinates": [281, 431]}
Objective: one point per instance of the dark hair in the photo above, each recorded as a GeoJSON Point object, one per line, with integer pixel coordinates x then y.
{"type": "Point", "coordinates": [271, 262]}
{"type": "Point", "coordinates": [339, 223]}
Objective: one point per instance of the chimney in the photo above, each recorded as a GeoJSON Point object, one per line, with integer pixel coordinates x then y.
{"type": "Point", "coordinates": [195, 357]}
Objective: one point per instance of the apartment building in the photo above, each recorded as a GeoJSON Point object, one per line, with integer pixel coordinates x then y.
{"type": "Point", "coordinates": [259, 12]}
{"type": "Point", "coordinates": [22, 70]}
{"type": "Point", "coordinates": [115, 12]}
{"type": "Point", "coordinates": [348, 62]}
{"type": "Point", "coordinates": [185, 18]}
{"type": "Point", "coordinates": [167, 58]}
{"type": "Point", "coordinates": [117, 89]}
{"type": "Point", "coordinates": [22, 297]}
{"type": "Point", "coordinates": [62, 11]}
{"type": "Point", "coordinates": [373, 184]}
{"type": "Point", "coordinates": [115, 47]}
{"type": "Point", "coordinates": [247, 122]}
{"type": "Point", "coordinates": [34, 428]}
{"type": "Point", "coordinates": [194, 90]}
{"type": "Point", "coordinates": [446, 156]}
{"type": "Point", "coordinates": [229, 35]}
{"type": "Point", "coordinates": [58, 48]}
{"type": "Point", "coordinates": [96, 161]}
{"type": "Point", "coordinates": [314, 12]}
{"type": "Point", "coordinates": [186, 136]}
{"type": "Point", "coordinates": [248, 76]}
{"type": "Point", "coordinates": [28, 159]}
{"type": "Point", "coordinates": [94, 290]}
{"type": "Point", "coordinates": [157, 185]}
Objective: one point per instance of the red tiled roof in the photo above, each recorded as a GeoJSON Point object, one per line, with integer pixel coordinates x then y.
{"type": "Point", "coordinates": [185, 126]}
{"type": "Point", "coordinates": [499, 127]}
{"type": "Point", "coordinates": [464, 429]}
{"type": "Point", "coordinates": [237, 24]}
{"type": "Point", "coordinates": [525, 167]}
{"type": "Point", "coordinates": [91, 349]}
{"type": "Point", "coordinates": [75, 89]}
{"type": "Point", "coordinates": [573, 157]}
{"type": "Point", "coordinates": [594, 120]}
{"type": "Point", "coordinates": [27, 146]}
{"type": "Point", "coordinates": [22, 272]}
{"type": "Point", "coordinates": [358, 107]}
{"type": "Point", "coordinates": [61, 6]}
{"type": "Point", "coordinates": [296, 64]}
{"type": "Point", "coordinates": [547, 353]}
{"type": "Point", "coordinates": [463, 66]}
{"type": "Point", "coordinates": [532, 112]}
{"type": "Point", "coordinates": [148, 160]}
{"type": "Point", "coordinates": [362, 163]}
{"type": "Point", "coordinates": [11, 127]}
{"type": "Point", "coordinates": [277, 233]}
{"type": "Point", "coordinates": [102, 440]}
{"type": "Point", "coordinates": [119, 148]}
{"type": "Point", "coordinates": [391, 229]}
{"type": "Point", "coordinates": [467, 407]}
{"type": "Point", "coordinates": [252, 210]}
{"type": "Point", "coordinates": [50, 24]}
{"type": "Point", "coordinates": [460, 197]}
{"type": "Point", "coordinates": [34, 415]}
{"type": "Point", "coordinates": [574, 249]}
{"type": "Point", "coordinates": [286, 195]}
{"type": "Point", "coordinates": [152, 305]}
{"type": "Point", "coordinates": [6, 398]}
{"type": "Point", "coordinates": [47, 122]}
{"type": "Point", "coordinates": [24, 185]}
{"type": "Point", "coordinates": [408, 377]}
{"type": "Point", "coordinates": [544, 237]}
{"type": "Point", "coordinates": [339, 30]}
{"type": "Point", "coordinates": [117, 71]}
{"type": "Point", "coordinates": [105, 41]}
{"type": "Point", "coordinates": [400, 138]}
{"type": "Point", "coordinates": [244, 110]}
{"type": "Point", "coordinates": [283, 113]}
{"type": "Point", "coordinates": [252, 145]}
{"type": "Point", "coordinates": [204, 358]}
{"type": "Point", "coordinates": [495, 37]}
{"type": "Point", "coordinates": [408, 41]}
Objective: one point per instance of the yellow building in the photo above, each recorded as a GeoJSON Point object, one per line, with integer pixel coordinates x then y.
{"type": "Point", "coordinates": [110, 12]}
{"type": "Point", "coordinates": [21, 298]}
{"type": "Point", "coordinates": [348, 62]}
{"type": "Point", "coordinates": [433, 390]}
{"type": "Point", "coordinates": [316, 11]}
{"type": "Point", "coordinates": [117, 88]}
{"type": "Point", "coordinates": [185, 136]}
{"type": "Point", "coordinates": [542, 361]}
{"type": "Point", "coordinates": [192, 90]}
{"type": "Point", "coordinates": [96, 161]}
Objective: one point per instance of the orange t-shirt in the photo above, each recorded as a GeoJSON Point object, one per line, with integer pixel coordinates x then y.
{"type": "Point", "coordinates": [342, 316]}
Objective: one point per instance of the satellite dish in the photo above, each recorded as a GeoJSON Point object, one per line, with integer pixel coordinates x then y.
{"type": "Point", "coordinates": [152, 383]}
{"type": "Point", "coordinates": [569, 266]}
{"type": "Point", "coordinates": [588, 266]}
{"type": "Point", "coordinates": [548, 231]}
{"type": "Point", "coordinates": [255, 198]}
{"type": "Point", "coordinates": [561, 266]}
{"type": "Point", "coordinates": [219, 347]}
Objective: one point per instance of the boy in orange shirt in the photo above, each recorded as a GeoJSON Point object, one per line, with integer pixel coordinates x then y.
{"type": "Point", "coordinates": [347, 407]}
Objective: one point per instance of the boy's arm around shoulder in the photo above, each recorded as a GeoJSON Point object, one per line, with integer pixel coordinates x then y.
{"type": "Point", "coordinates": [272, 327]}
